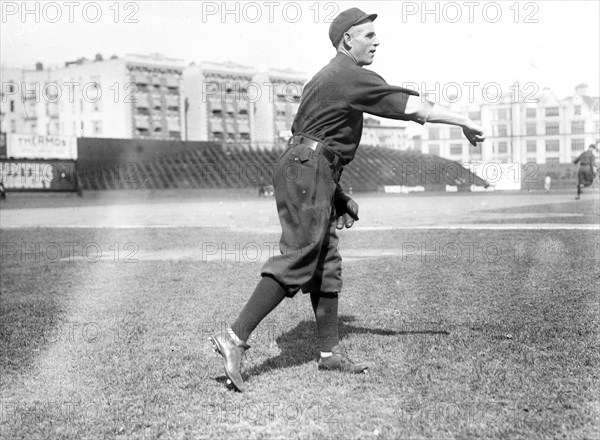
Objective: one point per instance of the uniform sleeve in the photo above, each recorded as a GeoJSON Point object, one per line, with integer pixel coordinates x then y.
{"type": "Point", "coordinates": [371, 94]}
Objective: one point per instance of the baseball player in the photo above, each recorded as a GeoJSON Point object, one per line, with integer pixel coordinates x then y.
{"type": "Point", "coordinates": [585, 176]}
{"type": "Point", "coordinates": [310, 201]}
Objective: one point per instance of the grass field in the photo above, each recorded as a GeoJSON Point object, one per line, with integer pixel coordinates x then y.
{"type": "Point", "coordinates": [470, 333]}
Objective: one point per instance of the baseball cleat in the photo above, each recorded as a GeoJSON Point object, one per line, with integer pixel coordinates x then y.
{"type": "Point", "coordinates": [232, 356]}
{"type": "Point", "coordinates": [340, 361]}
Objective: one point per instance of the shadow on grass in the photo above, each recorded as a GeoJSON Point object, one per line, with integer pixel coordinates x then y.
{"type": "Point", "coordinates": [299, 345]}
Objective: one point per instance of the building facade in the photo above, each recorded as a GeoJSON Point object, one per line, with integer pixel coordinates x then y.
{"type": "Point", "coordinates": [138, 96]}
{"type": "Point", "coordinates": [217, 102]}
{"type": "Point", "coordinates": [387, 136]}
{"type": "Point", "coordinates": [277, 106]}
{"type": "Point", "coordinates": [540, 129]}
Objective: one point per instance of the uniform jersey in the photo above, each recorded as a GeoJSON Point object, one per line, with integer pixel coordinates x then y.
{"type": "Point", "coordinates": [333, 102]}
{"type": "Point", "coordinates": [586, 158]}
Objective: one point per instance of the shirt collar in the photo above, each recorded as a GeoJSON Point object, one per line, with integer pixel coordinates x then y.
{"type": "Point", "coordinates": [345, 52]}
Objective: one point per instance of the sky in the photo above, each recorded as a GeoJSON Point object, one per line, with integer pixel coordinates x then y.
{"type": "Point", "coordinates": [471, 48]}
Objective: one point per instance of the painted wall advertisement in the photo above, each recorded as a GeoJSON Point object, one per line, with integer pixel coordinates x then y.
{"type": "Point", "coordinates": [28, 175]}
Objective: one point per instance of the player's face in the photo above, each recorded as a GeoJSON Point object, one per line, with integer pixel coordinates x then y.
{"type": "Point", "coordinates": [364, 43]}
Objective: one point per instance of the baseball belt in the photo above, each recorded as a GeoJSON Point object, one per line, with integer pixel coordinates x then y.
{"type": "Point", "coordinates": [319, 148]}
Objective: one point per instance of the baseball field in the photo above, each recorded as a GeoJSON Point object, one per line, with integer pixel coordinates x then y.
{"type": "Point", "coordinates": [478, 314]}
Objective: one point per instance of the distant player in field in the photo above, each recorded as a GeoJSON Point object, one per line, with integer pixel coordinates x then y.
{"type": "Point", "coordinates": [547, 183]}
{"type": "Point", "coordinates": [585, 176]}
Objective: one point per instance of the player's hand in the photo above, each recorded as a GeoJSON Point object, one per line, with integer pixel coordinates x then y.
{"type": "Point", "coordinates": [350, 217]}
{"type": "Point", "coordinates": [474, 133]}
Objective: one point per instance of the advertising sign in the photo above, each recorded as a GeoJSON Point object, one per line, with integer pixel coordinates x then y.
{"type": "Point", "coordinates": [30, 146]}
{"type": "Point", "coordinates": [35, 175]}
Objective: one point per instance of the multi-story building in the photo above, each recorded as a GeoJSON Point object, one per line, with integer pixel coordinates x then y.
{"type": "Point", "coordinates": [276, 107]}
{"type": "Point", "coordinates": [12, 108]}
{"type": "Point", "coordinates": [581, 122]}
{"type": "Point", "coordinates": [389, 136]}
{"type": "Point", "coordinates": [540, 129]}
{"type": "Point", "coordinates": [218, 102]}
{"type": "Point", "coordinates": [138, 96]}
{"type": "Point", "coordinates": [231, 103]}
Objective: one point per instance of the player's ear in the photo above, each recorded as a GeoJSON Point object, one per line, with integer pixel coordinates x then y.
{"type": "Point", "coordinates": [347, 40]}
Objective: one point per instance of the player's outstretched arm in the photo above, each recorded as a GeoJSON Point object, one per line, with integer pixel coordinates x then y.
{"type": "Point", "coordinates": [443, 115]}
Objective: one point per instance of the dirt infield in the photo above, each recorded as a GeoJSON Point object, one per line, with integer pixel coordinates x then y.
{"type": "Point", "coordinates": [243, 210]}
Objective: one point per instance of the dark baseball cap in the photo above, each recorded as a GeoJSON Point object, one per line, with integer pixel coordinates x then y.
{"type": "Point", "coordinates": [344, 21]}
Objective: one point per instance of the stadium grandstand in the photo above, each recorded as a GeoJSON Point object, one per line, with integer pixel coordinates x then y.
{"type": "Point", "coordinates": [212, 165]}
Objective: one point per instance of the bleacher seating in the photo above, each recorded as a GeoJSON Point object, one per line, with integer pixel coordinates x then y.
{"type": "Point", "coordinates": [213, 166]}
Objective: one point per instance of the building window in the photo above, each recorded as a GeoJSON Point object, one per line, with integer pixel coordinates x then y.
{"type": "Point", "coordinates": [13, 126]}
{"type": "Point", "coordinates": [142, 131]}
{"type": "Point", "coordinates": [245, 136]}
{"type": "Point", "coordinates": [434, 149]}
{"type": "Point", "coordinates": [502, 113]}
{"type": "Point", "coordinates": [173, 108]}
{"type": "Point", "coordinates": [502, 147]}
{"type": "Point", "coordinates": [552, 145]}
{"type": "Point", "coordinates": [157, 129]}
{"type": "Point", "coordinates": [280, 113]}
{"type": "Point", "coordinates": [530, 113]}
{"type": "Point", "coordinates": [456, 133]}
{"type": "Point", "coordinates": [552, 128]}
{"type": "Point", "coordinates": [456, 149]}
{"type": "Point", "coordinates": [577, 144]}
{"type": "Point", "coordinates": [552, 160]}
{"type": "Point", "coordinates": [531, 129]}
{"type": "Point", "coordinates": [577, 126]}
{"type": "Point", "coordinates": [217, 135]}
{"type": "Point", "coordinates": [577, 110]}
{"type": "Point", "coordinates": [12, 106]}
{"type": "Point", "coordinates": [217, 112]}
{"type": "Point", "coordinates": [502, 130]}
{"type": "Point", "coordinates": [531, 146]}
{"type": "Point", "coordinates": [551, 111]}
{"type": "Point", "coordinates": [531, 160]}
{"type": "Point", "coordinates": [434, 133]}
{"type": "Point", "coordinates": [97, 127]}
